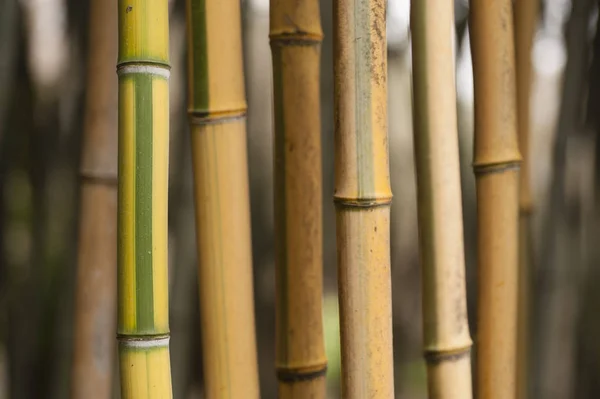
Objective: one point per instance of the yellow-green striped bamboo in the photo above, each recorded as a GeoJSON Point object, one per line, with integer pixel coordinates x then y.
{"type": "Point", "coordinates": [295, 33]}
{"type": "Point", "coordinates": [496, 167]}
{"type": "Point", "coordinates": [447, 340]}
{"type": "Point", "coordinates": [143, 309]}
{"type": "Point", "coordinates": [363, 197]}
{"type": "Point", "coordinates": [96, 291]}
{"type": "Point", "coordinates": [525, 13]}
{"type": "Point", "coordinates": [217, 113]}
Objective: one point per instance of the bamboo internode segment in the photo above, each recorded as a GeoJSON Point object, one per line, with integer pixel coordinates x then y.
{"type": "Point", "coordinates": [217, 108]}
{"type": "Point", "coordinates": [496, 166]}
{"type": "Point", "coordinates": [447, 340]}
{"type": "Point", "coordinates": [295, 34]}
{"type": "Point", "coordinates": [143, 310]}
{"type": "Point", "coordinates": [363, 195]}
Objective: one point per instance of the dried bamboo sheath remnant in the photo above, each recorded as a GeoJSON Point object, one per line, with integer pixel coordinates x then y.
{"type": "Point", "coordinates": [446, 332]}
{"type": "Point", "coordinates": [217, 111]}
{"type": "Point", "coordinates": [496, 166]}
{"type": "Point", "coordinates": [363, 197]}
{"type": "Point", "coordinates": [143, 313]}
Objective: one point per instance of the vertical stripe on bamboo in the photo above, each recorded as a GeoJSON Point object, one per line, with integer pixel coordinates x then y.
{"type": "Point", "coordinates": [363, 197]}
{"type": "Point", "coordinates": [295, 34]}
{"type": "Point", "coordinates": [217, 114]}
{"type": "Point", "coordinates": [447, 341]}
{"type": "Point", "coordinates": [143, 322]}
{"type": "Point", "coordinates": [496, 167]}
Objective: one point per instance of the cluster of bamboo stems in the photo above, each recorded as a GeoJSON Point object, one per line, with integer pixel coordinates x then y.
{"type": "Point", "coordinates": [217, 117]}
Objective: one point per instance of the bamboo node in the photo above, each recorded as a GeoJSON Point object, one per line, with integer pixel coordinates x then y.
{"type": "Point", "coordinates": [143, 341]}
{"type": "Point", "coordinates": [496, 168]}
{"type": "Point", "coordinates": [437, 356]}
{"type": "Point", "coordinates": [298, 38]}
{"type": "Point", "coordinates": [214, 118]}
{"type": "Point", "coordinates": [342, 202]}
{"type": "Point", "coordinates": [285, 374]}
{"type": "Point", "coordinates": [157, 69]}
{"type": "Point", "coordinates": [98, 178]}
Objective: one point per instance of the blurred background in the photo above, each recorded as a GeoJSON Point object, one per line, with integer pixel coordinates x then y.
{"type": "Point", "coordinates": [43, 66]}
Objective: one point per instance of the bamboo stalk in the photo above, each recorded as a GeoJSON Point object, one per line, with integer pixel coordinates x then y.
{"type": "Point", "coordinates": [496, 167]}
{"type": "Point", "coordinates": [217, 112]}
{"type": "Point", "coordinates": [447, 340]}
{"type": "Point", "coordinates": [96, 290]}
{"type": "Point", "coordinates": [143, 311]}
{"type": "Point", "coordinates": [296, 35]}
{"type": "Point", "coordinates": [363, 197]}
{"type": "Point", "coordinates": [525, 14]}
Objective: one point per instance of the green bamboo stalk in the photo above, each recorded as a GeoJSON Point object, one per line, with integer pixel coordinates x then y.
{"type": "Point", "coordinates": [363, 197]}
{"type": "Point", "coordinates": [143, 311]}
{"type": "Point", "coordinates": [217, 113]}
{"type": "Point", "coordinates": [446, 331]}
{"type": "Point", "coordinates": [296, 35]}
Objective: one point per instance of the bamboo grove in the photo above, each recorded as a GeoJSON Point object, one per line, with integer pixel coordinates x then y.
{"type": "Point", "coordinates": [124, 214]}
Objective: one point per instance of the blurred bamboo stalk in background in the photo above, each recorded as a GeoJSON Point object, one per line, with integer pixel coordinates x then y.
{"type": "Point", "coordinates": [496, 166]}
{"type": "Point", "coordinates": [363, 197]}
{"type": "Point", "coordinates": [217, 114]}
{"type": "Point", "coordinates": [296, 35]}
{"type": "Point", "coordinates": [447, 339]}
{"type": "Point", "coordinates": [143, 309]}
{"type": "Point", "coordinates": [96, 287]}
{"type": "Point", "coordinates": [525, 14]}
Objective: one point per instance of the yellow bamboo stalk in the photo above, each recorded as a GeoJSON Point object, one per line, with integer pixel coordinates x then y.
{"type": "Point", "coordinates": [525, 14]}
{"type": "Point", "coordinates": [447, 340]}
{"type": "Point", "coordinates": [96, 291]}
{"type": "Point", "coordinates": [143, 309]}
{"type": "Point", "coordinates": [363, 197]}
{"type": "Point", "coordinates": [295, 33]}
{"type": "Point", "coordinates": [217, 113]}
{"type": "Point", "coordinates": [496, 166]}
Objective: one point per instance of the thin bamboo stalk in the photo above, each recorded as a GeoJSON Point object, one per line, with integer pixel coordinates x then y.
{"type": "Point", "coordinates": [96, 290]}
{"type": "Point", "coordinates": [143, 301]}
{"type": "Point", "coordinates": [447, 340]}
{"type": "Point", "coordinates": [363, 197]}
{"type": "Point", "coordinates": [296, 35]}
{"type": "Point", "coordinates": [496, 166]}
{"type": "Point", "coordinates": [525, 14]}
{"type": "Point", "coordinates": [217, 112]}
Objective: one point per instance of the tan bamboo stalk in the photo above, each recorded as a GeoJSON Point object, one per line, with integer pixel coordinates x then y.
{"type": "Point", "coordinates": [143, 300]}
{"type": "Point", "coordinates": [363, 197]}
{"type": "Point", "coordinates": [447, 339]}
{"type": "Point", "coordinates": [295, 33]}
{"type": "Point", "coordinates": [96, 290]}
{"type": "Point", "coordinates": [496, 166]}
{"type": "Point", "coordinates": [217, 113]}
{"type": "Point", "coordinates": [525, 13]}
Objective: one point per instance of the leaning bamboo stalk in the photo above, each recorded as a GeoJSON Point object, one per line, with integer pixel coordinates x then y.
{"type": "Point", "coordinates": [363, 197]}
{"type": "Point", "coordinates": [143, 310]}
{"type": "Point", "coordinates": [295, 33]}
{"type": "Point", "coordinates": [217, 115]}
{"type": "Point", "coordinates": [96, 290]}
{"type": "Point", "coordinates": [447, 339]}
{"type": "Point", "coordinates": [525, 22]}
{"type": "Point", "coordinates": [496, 166]}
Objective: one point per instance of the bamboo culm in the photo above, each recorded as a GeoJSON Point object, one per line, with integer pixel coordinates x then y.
{"type": "Point", "coordinates": [363, 197]}
{"type": "Point", "coordinates": [446, 331]}
{"type": "Point", "coordinates": [217, 115]}
{"type": "Point", "coordinates": [143, 309]}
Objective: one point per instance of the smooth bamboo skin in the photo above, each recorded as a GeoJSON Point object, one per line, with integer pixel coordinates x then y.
{"type": "Point", "coordinates": [447, 341]}
{"type": "Point", "coordinates": [96, 291]}
{"type": "Point", "coordinates": [295, 34]}
{"type": "Point", "coordinates": [363, 197]}
{"type": "Point", "coordinates": [217, 111]}
{"type": "Point", "coordinates": [143, 309]}
{"type": "Point", "coordinates": [496, 166]}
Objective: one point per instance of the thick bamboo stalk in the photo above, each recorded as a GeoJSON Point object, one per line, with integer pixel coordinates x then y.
{"type": "Point", "coordinates": [96, 290]}
{"type": "Point", "coordinates": [217, 111]}
{"type": "Point", "coordinates": [143, 310]}
{"type": "Point", "coordinates": [496, 166]}
{"type": "Point", "coordinates": [447, 339]}
{"type": "Point", "coordinates": [525, 23]}
{"type": "Point", "coordinates": [363, 197]}
{"type": "Point", "coordinates": [295, 33]}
